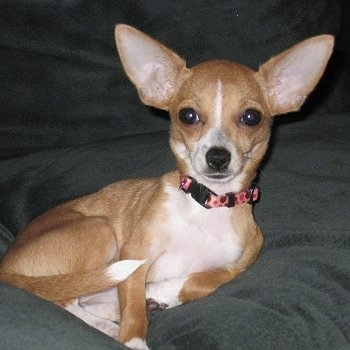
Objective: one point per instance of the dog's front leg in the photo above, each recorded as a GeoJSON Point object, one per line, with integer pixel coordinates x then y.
{"type": "Point", "coordinates": [133, 317]}
{"type": "Point", "coordinates": [174, 292]}
{"type": "Point", "coordinates": [197, 285]}
{"type": "Point", "coordinates": [200, 284]}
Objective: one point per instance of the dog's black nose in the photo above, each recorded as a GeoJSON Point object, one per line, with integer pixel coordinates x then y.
{"type": "Point", "coordinates": [218, 158]}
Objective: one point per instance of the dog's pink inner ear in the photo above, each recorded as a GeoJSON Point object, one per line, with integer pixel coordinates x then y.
{"type": "Point", "coordinates": [153, 68]}
{"type": "Point", "coordinates": [290, 76]}
{"type": "Point", "coordinates": [159, 85]}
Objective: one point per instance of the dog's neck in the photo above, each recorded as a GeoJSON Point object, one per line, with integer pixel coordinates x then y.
{"type": "Point", "coordinates": [209, 199]}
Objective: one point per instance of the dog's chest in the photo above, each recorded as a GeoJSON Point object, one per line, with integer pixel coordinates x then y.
{"type": "Point", "coordinates": [199, 239]}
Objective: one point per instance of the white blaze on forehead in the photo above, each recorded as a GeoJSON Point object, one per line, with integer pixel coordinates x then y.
{"type": "Point", "coordinates": [218, 104]}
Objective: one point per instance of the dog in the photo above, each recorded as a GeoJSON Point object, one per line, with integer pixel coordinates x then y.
{"type": "Point", "coordinates": [146, 244]}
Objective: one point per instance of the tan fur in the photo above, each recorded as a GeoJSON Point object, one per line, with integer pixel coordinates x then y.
{"type": "Point", "coordinates": [54, 288]}
{"type": "Point", "coordinates": [66, 252]}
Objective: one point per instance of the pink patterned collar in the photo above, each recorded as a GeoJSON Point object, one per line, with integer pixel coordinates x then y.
{"type": "Point", "coordinates": [209, 199]}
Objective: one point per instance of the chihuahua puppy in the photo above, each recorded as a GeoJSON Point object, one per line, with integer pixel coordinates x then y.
{"type": "Point", "coordinates": [165, 241]}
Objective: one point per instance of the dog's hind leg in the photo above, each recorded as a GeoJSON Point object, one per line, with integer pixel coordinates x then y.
{"type": "Point", "coordinates": [64, 246]}
{"type": "Point", "coordinates": [104, 325]}
{"type": "Point", "coordinates": [103, 304]}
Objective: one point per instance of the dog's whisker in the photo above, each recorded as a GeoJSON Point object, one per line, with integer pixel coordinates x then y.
{"type": "Point", "coordinates": [257, 162]}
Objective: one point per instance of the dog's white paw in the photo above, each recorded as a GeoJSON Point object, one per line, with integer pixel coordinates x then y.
{"type": "Point", "coordinates": [137, 344]}
{"type": "Point", "coordinates": [165, 292]}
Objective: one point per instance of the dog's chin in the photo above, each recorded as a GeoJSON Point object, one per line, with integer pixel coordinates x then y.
{"type": "Point", "coordinates": [210, 177]}
{"type": "Point", "coordinates": [220, 182]}
{"type": "Point", "coordinates": [218, 177]}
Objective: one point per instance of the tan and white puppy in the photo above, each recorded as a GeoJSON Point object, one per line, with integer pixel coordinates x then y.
{"type": "Point", "coordinates": [182, 244]}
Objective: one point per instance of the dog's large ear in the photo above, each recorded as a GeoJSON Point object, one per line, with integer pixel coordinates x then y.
{"type": "Point", "coordinates": [153, 68]}
{"type": "Point", "coordinates": [290, 76]}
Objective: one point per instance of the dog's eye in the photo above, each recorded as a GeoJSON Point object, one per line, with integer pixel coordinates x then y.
{"type": "Point", "coordinates": [251, 117]}
{"type": "Point", "coordinates": [188, 116]}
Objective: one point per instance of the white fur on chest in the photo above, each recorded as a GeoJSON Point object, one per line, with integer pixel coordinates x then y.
{"type": "Point", "coordinates": [200, 239]}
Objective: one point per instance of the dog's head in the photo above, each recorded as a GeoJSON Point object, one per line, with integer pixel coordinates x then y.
{"type": "Point", "coordinates": [221, 111]}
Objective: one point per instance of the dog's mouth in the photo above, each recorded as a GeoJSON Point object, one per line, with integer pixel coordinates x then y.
{"type": "Point", "coordinates": [219, 176]}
